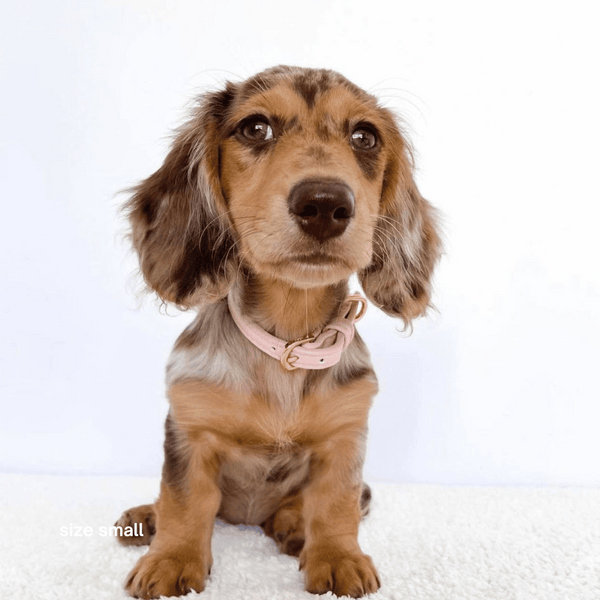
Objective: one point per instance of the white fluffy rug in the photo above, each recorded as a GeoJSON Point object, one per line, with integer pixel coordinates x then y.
{"type": "Point", "coordinates": [428, 542]}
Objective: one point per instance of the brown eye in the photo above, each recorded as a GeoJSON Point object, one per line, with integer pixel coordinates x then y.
{"type": "Point", "coordinates": [256, 129]}
{"type": "Point", "coordinates": [363, 138]}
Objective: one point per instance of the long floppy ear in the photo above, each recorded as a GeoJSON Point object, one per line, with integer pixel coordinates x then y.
{"type": "Point", "coordinates": [179, 227]}
{"type": "Point", "coordinates": [406, 243]}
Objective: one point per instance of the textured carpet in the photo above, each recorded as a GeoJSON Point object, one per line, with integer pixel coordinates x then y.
{"type": "Point", "coordinates": [428, 542]}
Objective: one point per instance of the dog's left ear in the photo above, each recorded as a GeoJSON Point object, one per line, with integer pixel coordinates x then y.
{"type": "Point", "coordinates": [406, 243]}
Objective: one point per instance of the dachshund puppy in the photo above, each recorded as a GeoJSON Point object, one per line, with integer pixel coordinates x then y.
{"type": "Point", "coordinates": [274, 193]}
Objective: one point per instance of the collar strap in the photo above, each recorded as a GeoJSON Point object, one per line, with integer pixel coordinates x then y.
{"type": "Point", "coordinates": [319, 350]}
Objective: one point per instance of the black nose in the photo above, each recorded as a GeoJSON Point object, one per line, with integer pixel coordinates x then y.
{"type": "Point", "coordinates": [323, 208]}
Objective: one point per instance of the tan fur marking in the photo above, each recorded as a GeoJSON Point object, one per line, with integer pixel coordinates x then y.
{"type": "Point", "coordinates": [241, 419]}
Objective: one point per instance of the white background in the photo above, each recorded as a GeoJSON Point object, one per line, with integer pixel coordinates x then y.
{"type": "Point", "coordinates": [502, 103]}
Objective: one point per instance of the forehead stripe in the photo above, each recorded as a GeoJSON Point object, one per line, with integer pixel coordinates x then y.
{"type": "Point", "coordinates": [307, 90]}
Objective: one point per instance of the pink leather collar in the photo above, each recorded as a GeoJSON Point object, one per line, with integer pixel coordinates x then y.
{"type": "Point", "coordinates": [320, 350]}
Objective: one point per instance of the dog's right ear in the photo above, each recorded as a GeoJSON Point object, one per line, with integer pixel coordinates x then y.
{"type": "Point", "coordinates": [179, 225]}
{"type": "Point", "coordinates": [407, 242]}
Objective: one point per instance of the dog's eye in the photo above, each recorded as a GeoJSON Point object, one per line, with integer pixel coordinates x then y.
{"type": "Point", "coordinates": [257, 129]}
{"type": "Point", "coordinates": [363, 138]}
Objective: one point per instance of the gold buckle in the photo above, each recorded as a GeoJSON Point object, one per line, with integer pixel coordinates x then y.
{"type": "Point", "coordinates": [285, 357]}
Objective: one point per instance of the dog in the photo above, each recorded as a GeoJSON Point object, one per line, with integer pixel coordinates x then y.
{"type": "Point", "coordinates": [273, 194]}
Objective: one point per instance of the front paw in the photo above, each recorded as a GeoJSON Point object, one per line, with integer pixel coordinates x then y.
{"type": "Point", "coordinates": [345, 574]}
{"type": "Point", "coordinates": [159, 574]}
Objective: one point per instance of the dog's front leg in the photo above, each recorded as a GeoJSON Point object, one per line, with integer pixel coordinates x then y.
{"type": "Point", "coordinates": [179, 558]}
{"type": "Point", "coordinates": [332, 559]}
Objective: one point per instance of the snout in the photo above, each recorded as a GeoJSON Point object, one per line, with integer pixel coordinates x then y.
{"type": "Point", "coordinates": [323, 208]}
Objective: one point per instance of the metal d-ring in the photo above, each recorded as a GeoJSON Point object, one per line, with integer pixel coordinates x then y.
{"type": "Point", "coordinates": [285, 357]}
{"type": "Point", "coordinates": [357, 299]}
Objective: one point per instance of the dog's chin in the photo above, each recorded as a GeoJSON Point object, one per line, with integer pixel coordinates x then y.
{"type": "Point", "coordinates": [311, 276]}
{"type": "Point", "coordinates": [308, 271]}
